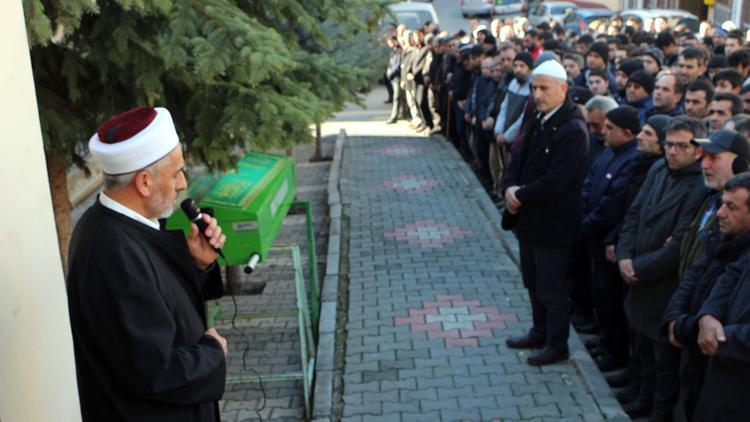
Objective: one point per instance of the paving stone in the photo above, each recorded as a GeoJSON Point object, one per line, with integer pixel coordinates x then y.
{"type": "Point", "coordinates": [426, 327]}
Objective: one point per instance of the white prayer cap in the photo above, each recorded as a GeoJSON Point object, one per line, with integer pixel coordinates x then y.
{"type": "Point", "coordinates": [134, 140]}
{"type": "Point", "coordinates": [550, 68]}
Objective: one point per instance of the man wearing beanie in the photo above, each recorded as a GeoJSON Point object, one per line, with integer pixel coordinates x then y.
{"type": "Point", "coordinates": [604, 197]}
{"type": "Point", "coordinates": [638, 93]}
{"type": "Point", "coordinates": [597, 58]}
{"type": "Point", "coordinates": [652, 59]}
{"type": "Point", "coordinates": [650, 140]}
{"type": "Point", "coordinates": [647, 255]}
{"type": "Point", "coordinates": [542, 187]}
{"type": "Point", "coordinates": [135, 292]}
{"type": "Point", "coordinates": [704, 254]}
{"type": "Point", "coordinates": [511, 114]}
{"type": "Point", "coordinates": [624, 70]}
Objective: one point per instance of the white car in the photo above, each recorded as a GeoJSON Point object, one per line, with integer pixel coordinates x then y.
{"type": "Point", "coordinates": [655, 20]}
{"type": "Point", "coordinates": [477, 8]}
{"type": "Point", "coordinates": [551, 12]}
{"type": "Point", "coordinates": [413, 15]}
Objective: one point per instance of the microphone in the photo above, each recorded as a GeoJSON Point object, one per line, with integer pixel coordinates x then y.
{"type": "Point", "coordinates": [195, 215]}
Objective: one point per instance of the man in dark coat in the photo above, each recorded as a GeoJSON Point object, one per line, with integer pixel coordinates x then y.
{"type": "Point", "coordinates": [542, 186]}
{"type": "Point", "coordinates": [604, 194]}
{"type": "Point", "coordinates": [706, 250]}
{"type": "Point", "coordinates": [135, 292]}
{"type": "Point", "coordinates": [648, 257]}
{"type": "Point", "coordinates": [724, 319]}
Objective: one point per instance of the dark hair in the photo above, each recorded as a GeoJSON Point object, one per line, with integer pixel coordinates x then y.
{"type": "Point", "coordinates": [736, 101]}
{"type": "Point", "coordinates": [586, 39]}
{"type": "Point", "coordinates": [737, 34]}
{"type": "Point", "coordinates": [739, 181]}
{"type": "Point", "coordinates": [739, 57]}
{"type": "Point", "coordinates": [702, 85]}
{"type": "Point", "coordinates": [533, 33]}
{"type": "Point", "coordinates": [690, 124]}
{"type": "Point", "coordinates": [743, 126]}
{"type": "Point", "coordinates": [600, 73]}
{"type": "Point", "coordinates": [665, 39]}
{"type": "Point", "coordinates": [695, 53]}
{"type": "Point", "coordinates": [730, 75]}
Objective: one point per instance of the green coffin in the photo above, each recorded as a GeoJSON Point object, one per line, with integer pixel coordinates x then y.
{"type": "Point", "coordinates": [250, 203]}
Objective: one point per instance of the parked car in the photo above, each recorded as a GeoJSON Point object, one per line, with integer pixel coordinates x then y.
{"type": "Point", "coordinates": [477, 7]}
{"type": "Point", "coordinates": [579, 20]}
{"type": "Point", "coordinates": [511, 7]}
{"type": "Point", "coordinates": [550, 12]}
{"type": "Point", "coordinates": [655, 20]}
{"type": "Point", "coordinates": [413, 15]}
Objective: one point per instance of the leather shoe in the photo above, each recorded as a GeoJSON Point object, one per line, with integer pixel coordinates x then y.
{"type": "Point", "coordinates": [619, 380]}
{"type": "Point", "coordinates": [547, 356]}
{"type": "Point", "coordinates": [390, 121]}
{"type": "Point", "coordinates": [587, 328]}
{"type": "Point", "coordinates": [629, 393]}
{"type": "Point", "coordinates": [598, 351]}
{"type": "Point", "coordinates": [593, 342]}
{"type": "Point", "coordinates": [524, 342]}
{"type": "Point", "coordinates": [638, 408]}
{"type": "Point", "coordinates": [608, 363]}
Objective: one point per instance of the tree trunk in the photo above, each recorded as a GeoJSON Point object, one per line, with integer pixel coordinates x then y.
{"type": "Point", "coordinates": [318, 156]}
{"type": "Point", "coordinates": [58, 183]}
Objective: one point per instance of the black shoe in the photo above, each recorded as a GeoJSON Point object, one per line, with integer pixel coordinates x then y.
{"type": "Point", "coordinates": [593, 342]}
{"type": "Point", "coordinates": [390, 121]}
{"type": "Point", "coordinates": [608, 363]}
{"type": "Point", "coordinates": [660, 417]}
{"type": "Point", "coordinates": [598, 351]}
{"type": "Point", "coordinates": [629, 393]}
{"type": "Point", "coordinates": [524, 342]}
{"type": "Point", "coordinates": [619, 380]}
{"type": "Point", "coordinates": [638, 408]}
{"type": "Point", "coordinates": [587, 328]}
{"type": "Point", "coordinates": [388, 102]}
{"type": "Point", "coordinates": [547, 356]}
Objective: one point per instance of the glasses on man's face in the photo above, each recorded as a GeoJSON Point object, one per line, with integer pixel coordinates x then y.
{"type": "Point", "coordinates": [679, 146]}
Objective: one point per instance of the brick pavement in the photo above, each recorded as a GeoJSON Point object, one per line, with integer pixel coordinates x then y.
{"type": "Point", "coordinates": [274, 342]}
{"type": "Point", "coordinates": [433, 296]}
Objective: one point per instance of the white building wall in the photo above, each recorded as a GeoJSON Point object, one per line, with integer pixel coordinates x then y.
{"type": "Point", "coordinates": [37, 369]}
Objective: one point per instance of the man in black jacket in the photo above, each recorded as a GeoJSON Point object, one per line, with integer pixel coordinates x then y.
{"type": "Point", "coordinates": [724, 319]}
{"type": "Point", "coordinates": [605, 192]}
{"type": "Point", "coordinates": [648, 257]}
{"type": "Point", "coordinates": [708, 248]}
{"type": "Point", "coordinates": [542, 186]}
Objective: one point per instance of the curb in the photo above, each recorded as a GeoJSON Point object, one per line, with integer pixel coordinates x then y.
{"type": "Point", "coordinates": [323, 387]}
{"type": "Point", "coordinates": [592, 377]}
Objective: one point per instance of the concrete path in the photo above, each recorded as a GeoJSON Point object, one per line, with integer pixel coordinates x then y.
{"type": "Point", "coordinates": [432, 296]}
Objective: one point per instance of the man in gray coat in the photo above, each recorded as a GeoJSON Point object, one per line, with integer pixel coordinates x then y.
{"type": "Point", "coordinates": [648, 258]}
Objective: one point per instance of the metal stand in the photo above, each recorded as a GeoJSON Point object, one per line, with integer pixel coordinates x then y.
{"type": "Point", "coordinates": [307, 314]}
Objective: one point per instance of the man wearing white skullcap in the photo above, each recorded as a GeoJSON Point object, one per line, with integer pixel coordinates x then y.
{"type": "Point", "coordinates": [135, 292]}
{"type": "Point", "coordinates": [543, 203]}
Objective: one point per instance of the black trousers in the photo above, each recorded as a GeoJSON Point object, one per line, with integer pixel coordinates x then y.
{"type": "Point", "coordinates": [483, 139]}
{"type": "Point", "coordinates": [579, 279]}
{"type": "Point", "coordinates": [543, 271]}
{"type": "Point", "coordinates": [608, 291]}
{"type": "Point", "coordinates": [660, 368]}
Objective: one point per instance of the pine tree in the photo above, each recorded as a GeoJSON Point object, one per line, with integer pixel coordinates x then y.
{"type": "Point", "coordinates": [236, 75]}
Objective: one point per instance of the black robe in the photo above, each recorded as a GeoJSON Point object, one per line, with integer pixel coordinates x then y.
{"type": "Point", "coordinates": [136, 309]}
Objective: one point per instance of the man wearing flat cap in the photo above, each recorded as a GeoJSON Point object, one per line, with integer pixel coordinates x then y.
{"type": "Point", "coordinates": [542, 197]}
{"type": "Point", "coordinates": [135, 291]}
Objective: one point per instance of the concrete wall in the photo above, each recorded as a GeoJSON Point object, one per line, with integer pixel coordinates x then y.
{"type": "Point", "coordinates": [37, 370]}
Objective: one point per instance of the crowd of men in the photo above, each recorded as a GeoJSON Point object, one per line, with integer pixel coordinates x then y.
{"type": "Point", "coordinates": [620, 162]}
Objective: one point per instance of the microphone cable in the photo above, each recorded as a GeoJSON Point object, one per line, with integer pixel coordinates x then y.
{"type": "Point", "coordinates": [246, 350]}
